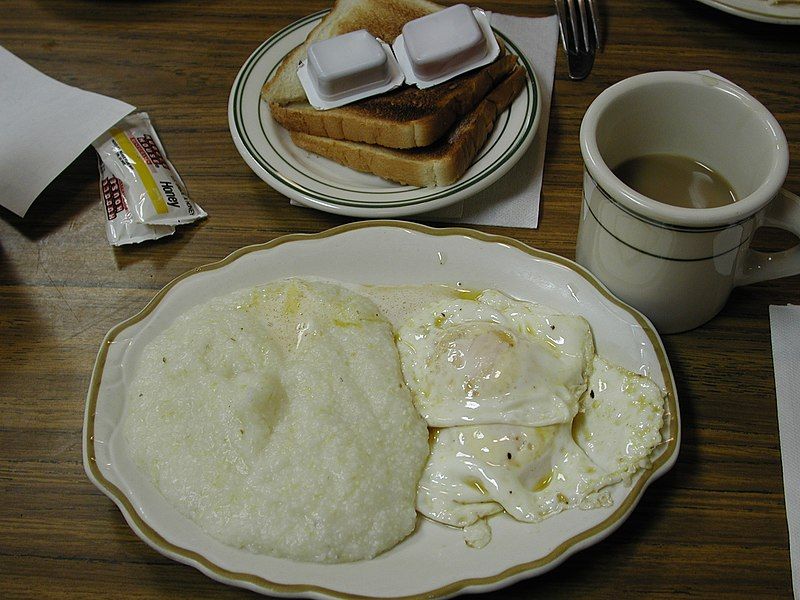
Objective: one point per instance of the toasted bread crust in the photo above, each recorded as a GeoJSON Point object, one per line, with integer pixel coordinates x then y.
{"type": "Point", "coordinates": [440, 164]}
{"type": "Point", "coordinates": [405, 118]}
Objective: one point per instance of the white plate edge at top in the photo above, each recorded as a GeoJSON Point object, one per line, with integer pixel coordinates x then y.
{"type": "Point", "coordinates": [758, 10]}
{"type": "Point", "coordinates": [254, 140]}
{"type": "Point", "coordinates": [451, 239]}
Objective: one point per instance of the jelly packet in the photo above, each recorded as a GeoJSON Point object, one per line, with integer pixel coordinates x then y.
{"type": "Point", "coordinates": [121, 227]}
{"type": "Point", "coordinates": [132, 152]}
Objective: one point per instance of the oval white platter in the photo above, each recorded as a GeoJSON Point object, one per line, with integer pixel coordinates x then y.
{"type": "Point", "coordinates": [387, 253]}
{"type": "Point", "coordinates": [320, 183]}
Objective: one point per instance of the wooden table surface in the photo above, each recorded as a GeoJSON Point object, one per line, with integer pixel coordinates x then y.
{"type": "Point", "coordinates": [713, 527]}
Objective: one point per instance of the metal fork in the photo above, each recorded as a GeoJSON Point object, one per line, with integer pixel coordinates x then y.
{"type": "Point", "coordinates": [580, 34]}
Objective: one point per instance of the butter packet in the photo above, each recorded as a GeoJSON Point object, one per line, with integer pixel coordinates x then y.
{"type": "Point", "coordinates": [121, 227]}
{"type": "Point", "coordinates": [442, 45]}
{"type": "Point", "coordinates": [132, 152]}
{"type": "Point", "coordinates": [346, 68]}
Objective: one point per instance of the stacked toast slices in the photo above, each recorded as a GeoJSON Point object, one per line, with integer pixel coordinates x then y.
{"type": "Point", "coordinates": [416, 137]}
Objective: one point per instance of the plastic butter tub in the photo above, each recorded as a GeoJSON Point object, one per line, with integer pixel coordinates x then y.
{"type": "Point", "coordinates": [347, 68]}
{"type": "Point", "coordinates": [445, 44]}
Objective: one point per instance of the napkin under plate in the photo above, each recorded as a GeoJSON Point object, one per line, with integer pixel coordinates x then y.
{"type": "Point", "coordinates": [513, 200]}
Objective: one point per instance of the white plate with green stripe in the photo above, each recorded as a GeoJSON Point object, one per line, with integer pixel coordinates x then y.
{"type": "Point", "coordinates": [323, 184]}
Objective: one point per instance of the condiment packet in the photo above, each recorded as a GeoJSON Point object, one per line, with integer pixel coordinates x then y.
{"type": "Point", "coordinates": [442, 45]}
{"type": "Point", "coordinates": [346, 68]}
{"type": "Point", "coordinates": [132, 152]}
{"type": "Point", "coordinates": [121, 227]}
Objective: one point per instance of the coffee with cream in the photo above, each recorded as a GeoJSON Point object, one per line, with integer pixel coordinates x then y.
{"type": "Point", "coordinates": [676, 180]}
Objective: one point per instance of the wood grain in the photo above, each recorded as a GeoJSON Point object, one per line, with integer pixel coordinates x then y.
{"type": "Point", "coordinates": [714, 527]}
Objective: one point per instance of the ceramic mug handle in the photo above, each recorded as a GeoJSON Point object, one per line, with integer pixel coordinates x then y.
{"type": "Point", "coordinates": [783, 213]}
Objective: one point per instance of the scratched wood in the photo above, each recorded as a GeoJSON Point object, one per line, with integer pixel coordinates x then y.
{"type": "Point", "coordinates": [714, 527]}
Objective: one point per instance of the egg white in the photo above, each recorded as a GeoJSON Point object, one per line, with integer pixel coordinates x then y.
{"type": "Point", "coordinates": [535, 472]}
{"type": "Point", "coordinates": [495, 360]}
{"type": "Point", "coordinates": [620, 420]}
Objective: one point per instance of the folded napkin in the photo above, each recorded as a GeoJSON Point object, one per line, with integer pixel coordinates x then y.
{"type": "Point", "coordinates": [785, 327]}
{"type": "Point", "coordinates": [46, 124]}
{"type": "Point", "coordinates": [513, 200]}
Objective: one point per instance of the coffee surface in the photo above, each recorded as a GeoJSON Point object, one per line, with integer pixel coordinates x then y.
{"type": "Point", "coordinates": [676, 180]}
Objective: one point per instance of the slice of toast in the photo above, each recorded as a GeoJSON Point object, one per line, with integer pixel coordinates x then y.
{"type": "Point", "coordinates": [405, 118]}
{"type": "Point", "coordinates": [439, 164]}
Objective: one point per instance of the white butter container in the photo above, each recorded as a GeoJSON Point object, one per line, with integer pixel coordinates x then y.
{"type": "Point", "coordinates": [347, 68]}
{"type": "Point", "coordinates": [445, 44]}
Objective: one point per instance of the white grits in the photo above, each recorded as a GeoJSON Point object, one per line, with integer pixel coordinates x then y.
{"type": "Point", "coordinates": [278, 420]}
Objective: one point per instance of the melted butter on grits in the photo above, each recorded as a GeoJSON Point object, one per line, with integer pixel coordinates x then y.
{"type": "Point", "coordinates": [277, 419]}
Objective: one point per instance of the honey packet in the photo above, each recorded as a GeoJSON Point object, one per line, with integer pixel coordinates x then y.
{"type": "Point", "coordinates": [121, 227]}
{"type": "Point", "coordinates": [132, 152]}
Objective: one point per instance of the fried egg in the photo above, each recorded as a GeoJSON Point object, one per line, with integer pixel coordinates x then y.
{"type": "Point", "coordinates": [493, 359]}
{"type": "Point", "coordinates": [620, 421]}
{"type": "Point", "coordinates": [536, 472]}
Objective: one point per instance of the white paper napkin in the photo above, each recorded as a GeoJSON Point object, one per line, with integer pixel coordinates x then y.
{"type": "Point", "coordinates": [785, 327]}
{"type": "Point", "coordinates": [513, 201]}
{"type": "Point", "coordinates": [45, 125]}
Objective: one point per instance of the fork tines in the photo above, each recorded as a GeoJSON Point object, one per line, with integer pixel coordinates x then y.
{"type": "Point", "coordinates": [578, 22]}
{"type": "Point", "coordinates": [580, 34]}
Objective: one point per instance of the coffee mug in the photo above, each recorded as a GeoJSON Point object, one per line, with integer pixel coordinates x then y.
{"type": "Point", "coordinates": [678, 265]}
